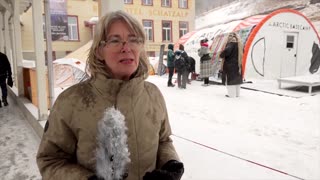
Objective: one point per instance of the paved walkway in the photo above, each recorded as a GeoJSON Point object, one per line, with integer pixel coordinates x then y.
{"type": "Point", "coordinates": [18, 145]}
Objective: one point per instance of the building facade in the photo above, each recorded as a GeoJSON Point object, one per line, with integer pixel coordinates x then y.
{"type": "Point", "coordinates": [164, 21]}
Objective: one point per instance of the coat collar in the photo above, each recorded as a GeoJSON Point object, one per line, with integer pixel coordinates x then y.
{"type": "Point", "coordinates": [107, 86]}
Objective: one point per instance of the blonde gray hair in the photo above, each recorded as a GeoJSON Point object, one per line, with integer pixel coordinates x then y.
{"type": "Point", "coordinates": [97, 66]}
{"type": "Point", "coordinates": [234, 37]}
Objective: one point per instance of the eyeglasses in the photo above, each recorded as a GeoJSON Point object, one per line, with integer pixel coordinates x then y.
{"type": "Point", "coordinates": [117, 43]}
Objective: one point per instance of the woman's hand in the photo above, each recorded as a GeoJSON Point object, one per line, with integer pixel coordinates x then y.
{"type": "Point", "coordinates": [172, 170]}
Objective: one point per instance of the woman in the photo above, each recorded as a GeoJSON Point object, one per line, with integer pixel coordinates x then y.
{"type": "Point", "coordinates": [231, 70]}
{"type": "Point", "coordinates": [205, 63]}
{"type": "Point", "coordinates": [85, 138]}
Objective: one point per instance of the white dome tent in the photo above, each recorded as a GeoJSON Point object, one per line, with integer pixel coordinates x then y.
{"type": "Point", "coordinates": [68, 72]}
{"type": "Point", "coordinates": [277, 45]}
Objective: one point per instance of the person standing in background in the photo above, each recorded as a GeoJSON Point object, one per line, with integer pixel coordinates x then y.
{"type": "Point", "coordinates": [231, 70]}
{"type": "Point", "coordinates": [182, 67]}
{"type": "Point", "coordinates": [5, 73]}
{"type": "Point", "coordinates": [170, 64]}
{"type": "Point", "coordinates": [205, 63]}
{"type": "Point", "coordinates": [192, 68]}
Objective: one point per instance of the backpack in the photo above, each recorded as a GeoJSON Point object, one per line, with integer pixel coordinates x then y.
{"type": "Point", "coordinates": [179, 62]}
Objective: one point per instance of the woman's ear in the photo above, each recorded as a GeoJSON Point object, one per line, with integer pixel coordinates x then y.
{"type": "Point", "coordinates": [99, 53]}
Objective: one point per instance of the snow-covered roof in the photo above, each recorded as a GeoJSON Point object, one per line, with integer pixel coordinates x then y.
{"type": "Point", "coordinates": [239, 10]}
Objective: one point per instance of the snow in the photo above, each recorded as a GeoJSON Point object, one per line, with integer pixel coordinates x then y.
{"type": "Point", "coordinates": [18, 145]}
{"type": "Point", "coordinates": [216, 136]}
{"type": "Point", "coordinates": [270, 135]}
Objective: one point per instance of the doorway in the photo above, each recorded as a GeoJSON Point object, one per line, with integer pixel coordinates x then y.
{"type": "Point", "coordinates": [289, 56]}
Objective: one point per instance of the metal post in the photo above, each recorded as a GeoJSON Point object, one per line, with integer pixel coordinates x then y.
{"type": "Point", "coordinates": [40, 59]}
{"type": "Point", "coordinates": [160, 63]}
{"type": "Point", "coordinates": [6, 35]}
{"type": "Point", "coordinates": [49, 51]}
{"type": "Point", "coordinates": [18, 49]}
{"type": "Point", "coordinates": [14, 51]}
{"type": "Point", "coordinates": [1, 32]}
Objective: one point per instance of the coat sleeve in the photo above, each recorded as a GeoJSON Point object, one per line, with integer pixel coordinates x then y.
{"type": "Point", "coordinates": [56, 156]}
{"type": "Point", "coordinates": [166, 150]}
{"type": "Point", "coordinates": [7, 65]}
{"type": "Point", "coordinates": [170, 55]}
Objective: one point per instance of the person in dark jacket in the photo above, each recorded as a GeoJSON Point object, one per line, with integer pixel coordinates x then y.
{"type": "Point", "coordinates": [231, 70]}
{"type": "Point", "coordinates": [170, 64]}
{"type": "Point", "coordinates": [5, 73]}
{"type": "Point", "coordinates": [205, 64]}
{"type": "Point", "coordinates": [182, 67]}
{"type": "Point", "coordinates": [192, 68]}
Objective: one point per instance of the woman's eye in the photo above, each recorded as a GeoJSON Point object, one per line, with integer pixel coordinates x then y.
{"type": "Point", "coordinates": [134, 40]}
{"type": "Point", "coordinates": [114, 41]}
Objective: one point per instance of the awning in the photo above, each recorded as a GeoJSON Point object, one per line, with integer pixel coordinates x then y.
{"type": "Point", "coordinates": [7, 5]}
{"type": "Point", "coordinates": [81, 53]}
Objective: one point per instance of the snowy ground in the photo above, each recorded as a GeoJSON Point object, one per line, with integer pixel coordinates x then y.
{"type": "Point", "coordinates": [18, 146]}
{"type": "Point", "coordinates": [256, 136]}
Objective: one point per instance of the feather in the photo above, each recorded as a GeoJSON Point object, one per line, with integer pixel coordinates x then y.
{"type": "Point", "coordinates": [112, 155]}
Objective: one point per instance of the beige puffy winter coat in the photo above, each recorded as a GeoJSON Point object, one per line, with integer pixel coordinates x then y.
{"type": "Point", "coordinates": [67, 149]}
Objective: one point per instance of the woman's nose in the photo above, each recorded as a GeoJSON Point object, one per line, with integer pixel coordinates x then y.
{"type": "Point", "coordinates": [125, 47]}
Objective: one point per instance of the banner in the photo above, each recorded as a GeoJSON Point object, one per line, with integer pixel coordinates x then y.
{"type": "Point", "coordinates": [59, 19]}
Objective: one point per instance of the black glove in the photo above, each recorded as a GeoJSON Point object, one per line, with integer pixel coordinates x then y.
{"type": "Point", "coordinates": [220, 73]}
{"type": "Point", "coordinates": [9, 81]}
{"type": "Point", "coordinates": [172, 170]}
{"type": "Point", "coordinates": [94, 177]}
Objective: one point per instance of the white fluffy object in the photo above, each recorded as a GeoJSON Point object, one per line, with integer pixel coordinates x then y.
{"type": "Point", "coordinates": [112, 154]}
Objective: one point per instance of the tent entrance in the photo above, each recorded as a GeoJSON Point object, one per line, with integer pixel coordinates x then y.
{"type": "Point", "coordinates": [289, 56]}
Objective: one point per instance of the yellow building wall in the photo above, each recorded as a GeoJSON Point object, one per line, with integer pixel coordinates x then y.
{"type": "Point", "coordinates": [85, 9]}
{"type": "Point", "coordinates": [157, 13]}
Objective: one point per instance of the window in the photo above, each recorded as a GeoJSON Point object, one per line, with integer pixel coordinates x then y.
{"type": "Point", "coordinates": [147, 2]}
{"type": "Point", "coordinates": [166, 31]}
{"type": "Point", "coordinates": [128, 1]}
{"type": "Point", "coordinates": [166, 3]}
{"type": "Point", "coordinates": [73, 34]}
{"type": "Point", "coordinates": [183, 4]}
{"type": "Point", "coordinates": [73, 28]}
{"type": "Point", "coordinates": [148, 29]}
{"type": "Point", "coordinates": [183, 28]}
{"type": "Point", "coordinates": [44, 27]}
{"type": "Point", "coordinates": [290, 41]}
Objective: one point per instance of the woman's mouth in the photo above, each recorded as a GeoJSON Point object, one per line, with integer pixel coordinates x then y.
{"type": "Point", "coordinates": [126, 61]}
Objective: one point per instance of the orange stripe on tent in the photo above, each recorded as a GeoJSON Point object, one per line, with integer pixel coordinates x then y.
{"type": "Point", "coordinates": [184, 39]}
{"type": "Point", "coordinates": [258, 27]}
{"type": "Point", "coordinates": [251, 21]}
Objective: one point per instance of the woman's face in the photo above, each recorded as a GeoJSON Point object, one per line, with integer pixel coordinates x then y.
{"type": "Point", "coordinates": [121, 51]}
